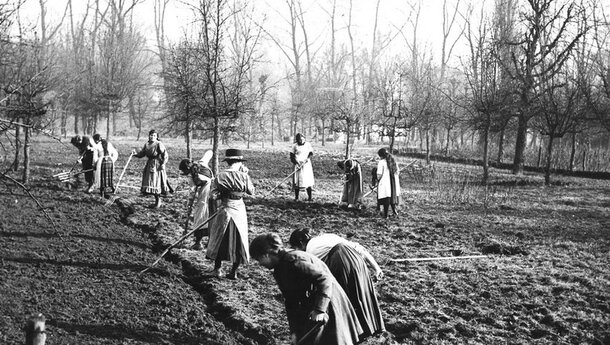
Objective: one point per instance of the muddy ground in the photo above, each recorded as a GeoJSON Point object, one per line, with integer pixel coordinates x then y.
{"type": "Point", "coordinates": [545, 278]}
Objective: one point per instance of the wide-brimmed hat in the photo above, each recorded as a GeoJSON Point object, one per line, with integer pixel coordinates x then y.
{"type": "Point", "coordinates": [234, 154]}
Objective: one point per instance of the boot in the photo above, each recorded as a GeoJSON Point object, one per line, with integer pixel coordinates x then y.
{"type": "Point", "coordinates": [157, 201]}
{"type": "Point", "coordinates": [233, 274]}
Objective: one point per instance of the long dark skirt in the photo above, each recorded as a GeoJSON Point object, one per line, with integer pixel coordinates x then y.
{"type": "Point", "coordinates": [353, 275]}
{"type": "Point", "coordinates": [87, 163]}
{"type": "Point", "coordinates": [231, 246]}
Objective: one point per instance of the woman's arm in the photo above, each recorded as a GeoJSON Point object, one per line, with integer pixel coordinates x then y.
{"type": "Point", "coordinates": [141, 153]}
{"type": "Point", "coordinates": [114, 154]}
{"type": "Point", "coordinates": [163, 155]}
{"type": "Point", "coordinates": [380, 170]}
{"type": "Point", "coordinates": [367, 257]}
{"type": "Point", "coordinates": [322, 280]}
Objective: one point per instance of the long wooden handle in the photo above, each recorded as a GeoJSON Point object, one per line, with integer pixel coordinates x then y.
{"type": "Point", "coordinates": [279, 184]}
{"type": "Point", "coordinates": [369, 192]}
{"type": "Point", "coordinates": [440, 258]}
{"type": "Point", "coordinates": [122, 172]}
{"type": "Point", "coordinates": [309, 333]}
{"type": "Point", "coordinates": [182, 238]}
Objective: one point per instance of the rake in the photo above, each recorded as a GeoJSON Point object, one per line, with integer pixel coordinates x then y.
{"type": "Point", "coordinates": [67, 175]}
{"type": "Point", "coordinates": [118, 184]}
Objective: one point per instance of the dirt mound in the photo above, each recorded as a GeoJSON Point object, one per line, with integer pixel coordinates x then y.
{"type": "Point", "coordinates": [492, 246]}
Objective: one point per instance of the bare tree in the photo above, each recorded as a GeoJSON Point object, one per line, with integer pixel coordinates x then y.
{"type": "Point", "coordinates": [561, 106]}
{"type": "Point", "coordinates": [487, 93]}
{"type": "Point", "coordinates": [226, 45]}
{"type": "Point", "coordinates": [549, 33]}
{"type": "Point", "coordinates": [27, 80]}
{"type": "Point", "coordinates": [183, 86]}
{"type": "Point", "coordinates": [597, 88]}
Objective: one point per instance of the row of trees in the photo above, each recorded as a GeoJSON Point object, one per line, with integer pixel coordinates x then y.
{"type": "Point", "coordinates": [532, 69]}
{"type": "Point", "coordinates": [535, 68]}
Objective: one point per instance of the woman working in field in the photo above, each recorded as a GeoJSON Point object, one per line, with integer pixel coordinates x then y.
{"type": "Point", "coordinates": [154, 176]}
{"type": "Point", "coordinates": [199, 204]}
{"type": "Point", "coordinates": [352, 185]}
{"type": "Point", "coordinates": [85, 151]}
{"type": "Point", "coordinates": [104, 157]}
{"type": "Point", "coordinates": [388, 183]}
{"type": "Point", "coordinates": [229, 228]}
{"type": "Point", "coordinates": [347, 260]}
{"type": "Point", "coordinates": [303, 170]}
{"type": "Point", "coordinates": [312, 296]}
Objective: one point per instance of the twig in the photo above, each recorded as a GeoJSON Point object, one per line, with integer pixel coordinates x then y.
{"type": "Point", "coordinates": [35, 200]}
{"type": "Point", "coordinates": [34, 128]}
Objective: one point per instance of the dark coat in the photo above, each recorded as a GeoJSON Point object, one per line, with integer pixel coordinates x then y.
{"type": "Point", "coordinates": [307, 285]}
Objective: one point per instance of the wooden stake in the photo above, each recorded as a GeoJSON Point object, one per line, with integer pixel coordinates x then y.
{"type": "Point", "coordinates": [35, 330]}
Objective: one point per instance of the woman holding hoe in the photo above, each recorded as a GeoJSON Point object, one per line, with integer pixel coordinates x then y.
{"type": "Point", "coordinates": [319, 312]}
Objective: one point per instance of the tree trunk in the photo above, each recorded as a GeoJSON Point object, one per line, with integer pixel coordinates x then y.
{"type": "Point", "coordinates": [323, 132]}
{"type": "Point", "coordinates": [113, 123]}
{"type": "Point", "coordinates": [272, 127]}
{"type": "Point", "coordinates": [347, 135]}
{"type": "Point", "coordinates": [63, 122]}
{"type": "Point", "coordinates": [520, 146]}
{"type": "Point", "coordinates": [539, 153]}
{"type": "Point", "coordinates": [584, 159]}
{"type": "Point", "coordinates": [216, 138]}
{"type": "Point", "coordinates": [76, 123]}
{"type": "Point", "coordinates": [26, 155]}
{"type": "Point", "coordinates": [393, 135]}
{"type": "Point", "coordinates": [549, 156]}
{"type": "Point", "coordinates": [188, 135]}
{"type": "Point", "coordinates": [108, 123]}
{"type": "Point", "coordinates": [427, 147]}
{"type": "Point", "coordinates": [17, 147]}
{"type": "Point", "coordinates": [500, 146]}
{"type": "Point", "coordinates": [447, 142]}
{"type": "Point", "coordinates": [486, 151]}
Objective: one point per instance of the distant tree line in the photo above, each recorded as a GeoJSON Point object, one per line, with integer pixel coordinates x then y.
{"type": "Point", "coordinates": [532, 87]}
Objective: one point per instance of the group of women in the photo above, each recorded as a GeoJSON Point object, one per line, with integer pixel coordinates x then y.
{"type": "Point", "coordinates": [326, 282]}
{"type": "Point", "coordinates": [97, 157]}
{"type": "Point", "coordinates": [385, 177]}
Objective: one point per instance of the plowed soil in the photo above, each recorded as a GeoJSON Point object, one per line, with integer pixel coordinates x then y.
{"type": "Point", "coordinates": [544, 277]}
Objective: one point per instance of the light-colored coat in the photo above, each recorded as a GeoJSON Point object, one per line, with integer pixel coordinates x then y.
{"type": "Point", "coordinates": [384, 187]}
{"type": "Point", "coordinates": [303, 178]}
{"type": "Point", "coordinates": [232, 181]}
